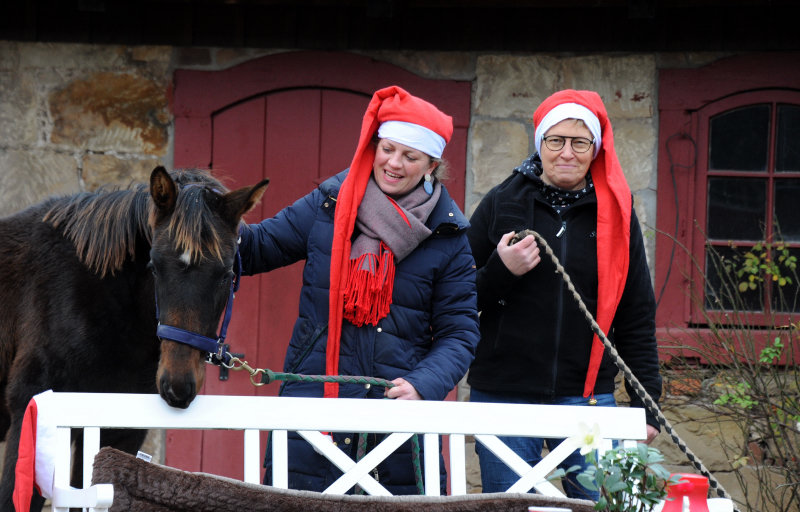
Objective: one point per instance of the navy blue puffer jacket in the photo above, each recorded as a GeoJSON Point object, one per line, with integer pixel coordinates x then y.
{"type": "Point", "coordinates": [428, 338]}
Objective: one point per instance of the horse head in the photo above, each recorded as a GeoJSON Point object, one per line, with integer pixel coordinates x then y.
{"type": "Point", "coordinates": [194, 252]}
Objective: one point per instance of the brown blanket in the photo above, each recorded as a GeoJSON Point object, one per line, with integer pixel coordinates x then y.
{"type": "Point", "coordinates": [141, 486]}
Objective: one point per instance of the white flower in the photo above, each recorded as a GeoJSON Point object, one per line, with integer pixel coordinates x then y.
{"type": "Point", "coordinates": [587, 440]}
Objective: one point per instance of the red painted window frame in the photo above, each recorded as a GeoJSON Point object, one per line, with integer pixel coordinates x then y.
{"type": "Point", "coordinates": [702, 118]}
{"type": "Point", "coordinates": [687, 98]}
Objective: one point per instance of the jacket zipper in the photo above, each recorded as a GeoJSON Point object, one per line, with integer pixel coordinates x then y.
{"type": "Point", "coordinates": [560, 312]}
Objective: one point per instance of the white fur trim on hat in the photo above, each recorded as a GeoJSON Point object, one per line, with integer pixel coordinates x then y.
{"type": "Point", "coordinates": [414, 136]}
{"type": "Point", "coordinates": [570, 111]}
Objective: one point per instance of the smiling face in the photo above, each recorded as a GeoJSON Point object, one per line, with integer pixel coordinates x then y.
{"type": "Point", "coordinates": [565, 169]}
{"type": "Point", "coordinates": [398, 169]}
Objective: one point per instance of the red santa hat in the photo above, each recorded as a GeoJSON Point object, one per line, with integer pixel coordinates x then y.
{"type": "Point", "coordinates": [614, 203]}
{"type": "Point", "coordinates": [36, 456]}
{"type": "Point", "coordinates": [421, 126]}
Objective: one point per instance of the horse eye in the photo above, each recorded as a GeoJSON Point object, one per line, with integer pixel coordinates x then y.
{"type": "Point", "coordinates": [151, 268]}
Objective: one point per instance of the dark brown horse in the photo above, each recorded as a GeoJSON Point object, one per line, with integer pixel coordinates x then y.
{"type": "Point", "coordinates": [79, 278]}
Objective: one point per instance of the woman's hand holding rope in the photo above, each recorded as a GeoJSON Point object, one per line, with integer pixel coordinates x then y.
{"type": "Point", "coordinates": [402, 390]}
{"type": "Point", "coordinates": [520, 257]}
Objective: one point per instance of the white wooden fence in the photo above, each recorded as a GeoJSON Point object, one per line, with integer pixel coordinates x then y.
{"type": "Point", "coordinates": [310, 416]}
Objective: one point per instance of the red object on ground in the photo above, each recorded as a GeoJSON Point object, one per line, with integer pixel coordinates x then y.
{"type": "Point", "coordinates": [691, 485]}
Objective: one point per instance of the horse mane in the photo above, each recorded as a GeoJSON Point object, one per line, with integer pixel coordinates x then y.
{"type": "Point", "coordinates": [192, 225]}
{"type": "Point", "coordinates": [104, 225]}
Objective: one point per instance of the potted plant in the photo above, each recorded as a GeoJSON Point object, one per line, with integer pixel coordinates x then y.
{"type": "Point", "coordinates": [629, 479]}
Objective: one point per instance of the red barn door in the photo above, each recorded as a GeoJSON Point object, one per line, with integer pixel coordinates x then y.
{"type": "Point", "coordinates": [294, 118]}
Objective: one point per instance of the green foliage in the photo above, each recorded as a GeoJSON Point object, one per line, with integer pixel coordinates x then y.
{"type": "Point", "coordinates": [738, 363]}
{"type": "Point", "coordinates": [770, 354]}
{"type": "Point", "coordinates": [760, 263]}
{"type": "Point", "coordinates": [629, 480]}
{"type": "Point", "coordinates": [738, 396]}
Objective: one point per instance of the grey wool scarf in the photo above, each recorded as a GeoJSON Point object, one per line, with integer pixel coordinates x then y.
{"type": "Point", "coordinates": [390, 231]}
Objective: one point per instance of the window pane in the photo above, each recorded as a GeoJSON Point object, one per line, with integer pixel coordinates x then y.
{"type": "Point", "coordinates": [787, 210]}
{"type": "Point", "coordinates": [785, 292]}
{"type": "Point", "coordinates": [788, 157]}
{"type": "Point", "coordinates": [722, 283]}
{"type": "Point", "coordinates": [736, 208]}
{"type": "Point", "coordinates": [739, 140]}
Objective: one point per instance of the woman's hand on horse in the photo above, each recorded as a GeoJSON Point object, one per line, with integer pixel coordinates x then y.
{"type": "Point", "coordinates": [402, 390]}
{"type": "Point", "coordinates": [521, 257]}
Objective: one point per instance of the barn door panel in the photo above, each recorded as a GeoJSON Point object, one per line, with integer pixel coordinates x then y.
{"type": "Point", "coordinates": [292, 163]}
{"type": "Point", "coordinates": [340, 128]}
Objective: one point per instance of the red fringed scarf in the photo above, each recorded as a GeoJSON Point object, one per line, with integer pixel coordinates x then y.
{"type": "Point", "coordinates": [389, 104]}
{"type": "Point", "coordinates": [613, 220]}
{"type": "Point", "coordinates": [368, 292]}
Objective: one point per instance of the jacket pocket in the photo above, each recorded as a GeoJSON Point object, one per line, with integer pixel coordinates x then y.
{"type": "Point", "coordinates": [307, 339]}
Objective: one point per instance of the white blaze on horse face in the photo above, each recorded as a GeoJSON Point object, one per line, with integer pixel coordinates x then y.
{"type": "Point", "coordinates": [186, 258]}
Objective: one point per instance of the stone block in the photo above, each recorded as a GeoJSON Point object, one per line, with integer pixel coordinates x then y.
{"type": "Point", "coordinates": [99, 170]}
{"type": "Point", "coordinates": [635, 141]}
{"type": "Point", "coordinates": [17, 108]}
{"type": "Point", "coordinates": [497, 148]}
{"type": "Point", "coordinates": [473, 469]}
{"type": "Point", "coordinates": [627, 84]}
{"type": "Point", "coordinates": [190, 56]}
{"type": "Point", "coordinates": [759, 490]}
{"type": "Point", "coordinates": [112, 112]}
{"type": "Point", "coordinates": [156, 59]}
{"type": "Point", "coordinates": [510, 86]}
{"type": "Point", "coordinates": [27, 177]}
{"type": "Point", "coordinates": [463, 389]}
{"type": "Point", "coordinates": [72, 56]}
{"type": "Point", "coordinates": [155, 445]}
{"type": "Point", "coordinates": [644, 202]}
{"type": "Point", "coordinates": [435, 65]}
{"type": "Point", "coordinates": [715, 443]}
{"type": "Point", "coordinates": [9, 55]}
{"type": "Point", "coordinates": [161, 54]}
{"type": "Point", "coordinates": [227, 57]}
{"type": "Point", "coordinates": [669, 60]}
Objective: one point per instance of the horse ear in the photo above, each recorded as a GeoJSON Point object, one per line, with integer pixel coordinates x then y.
{"type": "Point", "coordinates": [241, 201]}
{"type": "Point", "coordinates": [163, 189]}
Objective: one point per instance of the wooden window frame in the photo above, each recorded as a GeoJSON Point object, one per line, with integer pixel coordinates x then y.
{"type": "Point", "coordinates": [687, 100]}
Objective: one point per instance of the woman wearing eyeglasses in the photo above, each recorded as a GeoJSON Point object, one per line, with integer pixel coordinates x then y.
{"type": "Point", "coordinates": [536, 346]}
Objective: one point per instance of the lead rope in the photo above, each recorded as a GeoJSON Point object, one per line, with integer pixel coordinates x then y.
{"type": "Point", "coordinates": [362, 450]}
{"type": "Point", "coordinates": [648, 401]}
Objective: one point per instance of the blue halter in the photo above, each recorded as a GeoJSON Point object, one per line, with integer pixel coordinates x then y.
{"type": "Point", "coordinates": [216, 350]}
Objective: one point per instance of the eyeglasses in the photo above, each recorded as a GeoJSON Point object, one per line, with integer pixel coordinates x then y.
{"type": "Point", "coordinates": [579, 144]}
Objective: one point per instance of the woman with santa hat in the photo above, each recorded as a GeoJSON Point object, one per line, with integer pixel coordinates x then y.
{"type": "Point", "coordinates": [573, 192]}
{"type": "Point", "coordinates": [389, 281]}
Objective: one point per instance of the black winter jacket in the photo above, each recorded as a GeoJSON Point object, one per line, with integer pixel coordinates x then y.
{"type": "Point", "coordinates": [534, 339]}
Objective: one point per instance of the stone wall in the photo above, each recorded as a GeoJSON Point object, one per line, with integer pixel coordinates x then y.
{"type": "Point", "coordinates": [75, 117]}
